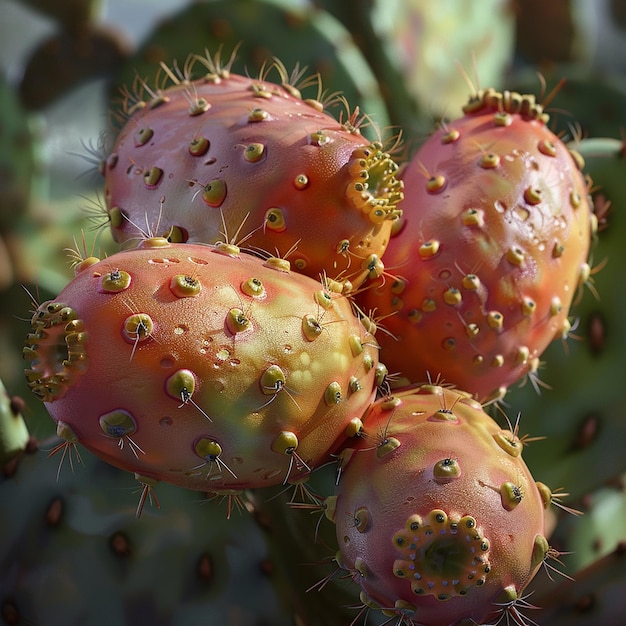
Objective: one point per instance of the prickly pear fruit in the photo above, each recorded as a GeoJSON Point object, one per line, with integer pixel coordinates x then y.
{"type": "Point", "coordinates": [495, 241]}
{"type": "Point", "coordinates": [201, 366]}
{"type": "Point", "coordinates": [227, 154]}
{"type": "Point", "coordinates": [438, 518]}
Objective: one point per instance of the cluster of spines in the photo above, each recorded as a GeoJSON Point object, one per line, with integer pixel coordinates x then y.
{"type": "Point", "coordinates": [214, 72]}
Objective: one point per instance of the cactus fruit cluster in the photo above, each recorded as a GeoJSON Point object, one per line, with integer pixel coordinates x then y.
{"type": "Point", "coordinates": [323, 329]}
{"type": "Point", "coordinates": [217, 370]}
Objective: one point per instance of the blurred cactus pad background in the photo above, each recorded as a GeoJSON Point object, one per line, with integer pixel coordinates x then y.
{"type": "Point", "coordinates": [85, 543]}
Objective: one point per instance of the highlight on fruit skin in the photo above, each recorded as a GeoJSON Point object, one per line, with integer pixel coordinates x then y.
{"type": "Point", "coordinates": [200, 159]}
{"type": "Point", "coordinates": [202, 366]}
{"type": "Point", "coordinates": [436, 519]}
{"type": "Point", "coordinates": [490, 251]}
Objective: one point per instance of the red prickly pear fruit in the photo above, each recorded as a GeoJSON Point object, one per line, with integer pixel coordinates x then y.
{"type": "Point", "coordinates": [437, 516]}
{"type": "Point", "coordinates": [228, 154]}
{"type": "Point", "coordinates": [201, 366]}
{"type": "Point", "coordinates": [496, 232]}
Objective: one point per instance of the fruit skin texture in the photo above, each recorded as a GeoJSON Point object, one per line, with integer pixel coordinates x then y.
{"type": "Point", "coordinates": [246, 158]}
{"type": "Point", "coordinates": [494, 244]}
{"type": "Point", "coordinates": [437, 515]}
{"type": "Point", "coordinates": [201, 366]}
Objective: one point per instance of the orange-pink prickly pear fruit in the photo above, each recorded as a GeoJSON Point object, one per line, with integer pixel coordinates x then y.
{"type": "Point", "coordinates": [438, 518]}
{"type": "Point", "coordinates": [494, 243]}
{"type": "Point", "coordinates": [245, 155]}
{"type": "Point", "coordinates": [202, 366]}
